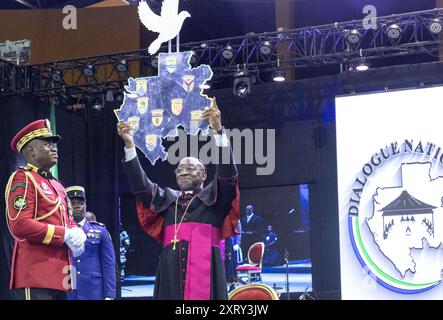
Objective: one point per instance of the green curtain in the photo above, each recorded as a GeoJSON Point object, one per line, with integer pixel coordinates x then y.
{"type": "Point", "coordinates": [54, 169]}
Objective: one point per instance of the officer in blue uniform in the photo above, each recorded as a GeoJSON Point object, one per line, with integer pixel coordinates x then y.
{"type": "Point", "coordinates": [94, 277]}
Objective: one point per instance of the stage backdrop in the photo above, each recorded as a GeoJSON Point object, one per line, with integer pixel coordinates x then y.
{"type": "Point", "coordinates": [390, 191]}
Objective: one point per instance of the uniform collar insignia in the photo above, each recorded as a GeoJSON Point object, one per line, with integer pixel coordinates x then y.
{"type": "Point", "coordinates": [42, 172]}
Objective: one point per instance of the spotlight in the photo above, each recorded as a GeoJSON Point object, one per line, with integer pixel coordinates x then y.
{"type": "Point", "coordinates": [279, 74]}
{"type": "Point", "coordinates": [154, 62]}
{"type": "Point", "coordinates": [98, 104]}
{"type": "Point", "coordinates": [205, 86]}
{"type": "Point", "coordinates": [228, 52]}
{"type": "Point", "coordinates": [56, 75]}
{"type": "Point", "coordinates": [265, 48]}
{"type": "Point", "coordinates": [393, 31]}
{"type": "Point", "coordinates": [88, 70]}
{"type": "Point", "coordinates": [122, 66]}
{"type": "Point", "coordinates": [361, 64]}
{"type": "Point", "coordinates": [352, 36]}
{"type": "Point", "coordinates": [193, 59]}
{"type": "Point", "coordinates": [109, 96]}
{"type": "Point", "coordinates": [242, 83]}
{"type": "Point", "coordinates": [436, 26]}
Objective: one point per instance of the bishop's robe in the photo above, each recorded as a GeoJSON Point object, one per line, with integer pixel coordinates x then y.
{"type": "Point", "coordinates": [194, 270]}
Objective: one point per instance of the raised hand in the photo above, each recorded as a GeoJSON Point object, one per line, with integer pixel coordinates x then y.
{"type": "Point", "coordinates": [213, 115]}
{"type": "Point", "coordinates": [126, 132]}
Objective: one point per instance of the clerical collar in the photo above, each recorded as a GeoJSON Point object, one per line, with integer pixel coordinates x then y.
{"type": "Point", "coordinates": [42, 172]}
{"type": "Point", "coordinates": [194, 192]}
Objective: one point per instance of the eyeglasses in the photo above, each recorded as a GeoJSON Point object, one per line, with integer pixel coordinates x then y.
{"type": "Point", "coordinates": [181, 170]}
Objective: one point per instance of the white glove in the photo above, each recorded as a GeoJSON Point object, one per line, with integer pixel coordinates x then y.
{"type": "Point", "coordinates": [75, 239]}
{"type": "Point", "coordinates": [74, 236]}
{"type": "Point", "coordinates": [78, 251]}
{"type": "Point", "coordinates": [236, 247]}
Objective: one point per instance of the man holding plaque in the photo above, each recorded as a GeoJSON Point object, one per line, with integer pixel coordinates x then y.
{"type": "Point", "coordinates": [189, 222]}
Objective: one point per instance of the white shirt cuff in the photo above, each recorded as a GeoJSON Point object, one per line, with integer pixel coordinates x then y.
{"type": "Point", "coordinates": [130, 153]}
{"type": "Point", "coordinates": [221, 140]}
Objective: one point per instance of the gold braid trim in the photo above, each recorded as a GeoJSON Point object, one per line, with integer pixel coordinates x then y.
{"type": "Point", "coordinates": [57, 202]}
{"type": "Point", "coordinates": [8, 217]}
{"type": "Point", "coordinates": [42, 193]}
{"type": "Point", "coordinates": [49, 234]}
{"type": "Point", "coordinates": [50, 213]}
{"type": "Point", "coordinates": [31, 135]}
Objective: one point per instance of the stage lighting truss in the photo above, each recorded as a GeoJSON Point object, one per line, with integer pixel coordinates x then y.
{"type": "Point", "coordinates": [361, 64]}
{"type": "Point", "coordinates": [154, 62]}
{"type": "Point", "coordinates": [279, 74]}
{"type": "Point", "coordinates": [122, 66]}
{"type": "Point", "coordinates": [88, 70]}
{"type": "Point", "coordinates": [97, 105]}
{"type": "Point", "coordinates": [435, 26]}
{"type": "Point", "coordinates": [265, 48]}
{"type": "Point", "coordinates": [243, 80]}
{"type": "Point", "coordinates": [353, 36]}
{"type": "Point", "coordinates": [9, 78]}
{"type": "Point", "coordinates": [228, 53]}
{"type": "Point", "coordinates": [395, 35]}
{"type": "Point", "coordinates": [394, 31]}
{"type": "Point", "coordinates": [56, 76]}
{"type": "Point", "coordinates": [193, 59]}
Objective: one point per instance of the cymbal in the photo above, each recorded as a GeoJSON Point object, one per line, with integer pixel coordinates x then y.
{"type": "Point", "coordinates": [277, 288]}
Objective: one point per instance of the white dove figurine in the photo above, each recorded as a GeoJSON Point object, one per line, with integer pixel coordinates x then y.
{"type": "Point", "coordinates": [167, 25]}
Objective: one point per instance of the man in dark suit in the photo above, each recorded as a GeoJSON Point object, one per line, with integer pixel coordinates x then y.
{"type": "Point", "coordinates": [252, 225]}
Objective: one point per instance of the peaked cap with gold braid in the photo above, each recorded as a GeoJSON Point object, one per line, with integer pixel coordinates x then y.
{"type": "Point", "coordinates": [39, 129]}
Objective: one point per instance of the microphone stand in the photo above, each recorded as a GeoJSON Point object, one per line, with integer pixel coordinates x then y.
{"type": "Point", "coordinates": [287, 273]}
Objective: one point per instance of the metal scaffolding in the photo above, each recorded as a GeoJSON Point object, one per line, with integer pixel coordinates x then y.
{"type": "Point", "coordinates": [344, 43]}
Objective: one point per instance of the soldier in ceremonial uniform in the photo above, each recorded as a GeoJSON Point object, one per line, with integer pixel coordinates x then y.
{"type": "Point", "coordinates": [95, 268]}
{"type": "Point", "coordinates": [38, 217]}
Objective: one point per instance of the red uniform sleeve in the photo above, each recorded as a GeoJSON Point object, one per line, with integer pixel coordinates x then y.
{"type": "Point", "coordinates": [21, 200]}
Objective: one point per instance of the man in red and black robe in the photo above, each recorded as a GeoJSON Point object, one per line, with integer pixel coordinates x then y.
{"type": "Point", "coordinates": [190, 266]}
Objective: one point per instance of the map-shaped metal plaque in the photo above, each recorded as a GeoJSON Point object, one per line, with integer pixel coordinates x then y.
{"type": "Point", "coordinates": [157, 105]}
